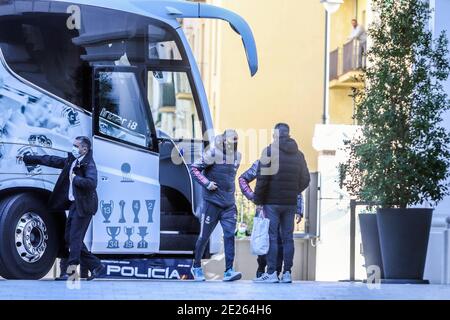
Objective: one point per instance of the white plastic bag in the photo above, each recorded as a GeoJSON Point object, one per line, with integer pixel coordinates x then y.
{"type": "Point", "coordinates": [260, 235]}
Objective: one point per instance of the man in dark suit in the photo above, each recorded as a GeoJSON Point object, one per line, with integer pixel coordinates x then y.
{"type": "Point", "coordinates": [75, 190]}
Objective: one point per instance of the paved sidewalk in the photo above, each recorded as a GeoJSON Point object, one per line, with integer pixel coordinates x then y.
{"type": "Point", "coordinates": [214, 290]}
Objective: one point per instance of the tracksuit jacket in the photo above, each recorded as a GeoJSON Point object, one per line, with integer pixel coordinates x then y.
{"type": "Point", "coordinates": [250, 175]}
{"type": "Point", "coordinates": [214, 166]}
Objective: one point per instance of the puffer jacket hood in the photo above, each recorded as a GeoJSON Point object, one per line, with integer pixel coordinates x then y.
{"type": "Point", "coordinates": [287, 144]}
{"type": "Point", "coordinates": [289, 174]}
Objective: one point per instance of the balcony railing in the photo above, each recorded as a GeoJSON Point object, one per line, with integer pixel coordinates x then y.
{"type": "Point", "coordinates": [334, 64]}
{"type": "Point", "coordinates": [350, 57]}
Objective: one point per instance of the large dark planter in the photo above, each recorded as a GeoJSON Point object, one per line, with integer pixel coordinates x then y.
{"type": "Point", "coordinates": [404, 237]}
{"type": "Point", "coordinates": [371, 243]}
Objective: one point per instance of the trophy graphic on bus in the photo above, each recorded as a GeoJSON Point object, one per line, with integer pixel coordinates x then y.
{"type": "Point", "coordinates": [150, 204]}
{"type": "Point", "coordinates": [113, 232]}
{"type": "Point", "coordinates": [122, 213]}
{"type": "Point", "coordinates": [142, 233]}
{"type": "Point", "coordinates": [136, 208]}
{"type": "Point", "coordinates": [129, 232]}
{"type": "Point", "coordinates": [107, 210]}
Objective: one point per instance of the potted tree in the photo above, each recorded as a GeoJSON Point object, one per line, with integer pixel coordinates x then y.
{"type": "Point", "coordinates": [399, 160]}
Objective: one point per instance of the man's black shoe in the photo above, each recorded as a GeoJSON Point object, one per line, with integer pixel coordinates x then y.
{"type": "Point", "coordinates": [96, 272]}
{"type": "Point", "coordinates": [65, 276]}
{"type": "Point", "coordinates": [84, 275]}
{"type": "Point", "coordinates": [62, 277]}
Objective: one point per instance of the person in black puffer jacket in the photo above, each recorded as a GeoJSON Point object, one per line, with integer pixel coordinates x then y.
{"type": "Point", "coordinates": [216, 172]}
{"type": "Point", "coordinates": [282, 175]}
{"type": "Point", "coordinates": [244, 183]}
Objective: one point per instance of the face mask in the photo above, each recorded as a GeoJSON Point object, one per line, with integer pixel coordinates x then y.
{"type": "Point", "coordinates": [76, 152]}
{"type": "Point", "coordinates": [242, 230]}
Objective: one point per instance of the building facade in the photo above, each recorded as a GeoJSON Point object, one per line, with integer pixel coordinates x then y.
{"type": "Point", "coordinates": [288, 86]}
{"type": "Point", "coordinates": [346, 62]}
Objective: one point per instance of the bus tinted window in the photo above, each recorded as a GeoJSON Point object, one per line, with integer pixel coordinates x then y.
{"type": "Point", "coordinates": [121, 109]}
{"type": "Point", "coordinates": [40, 50]}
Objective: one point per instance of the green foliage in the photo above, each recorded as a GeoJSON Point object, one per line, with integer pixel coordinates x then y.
{"type": "Point", "coordinates": [402, 155]}
{"type": "Point", "coordinates": [246, 211]}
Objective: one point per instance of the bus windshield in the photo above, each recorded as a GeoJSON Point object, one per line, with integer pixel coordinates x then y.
{"type": "Point", "coordinates": [162, 45]}
{"type": "Point", "coordinates": [170, 95]}
{"type": "Point", "coordinates": [173, 105]}
{"type": "Point", "coordinates": [126, 39]}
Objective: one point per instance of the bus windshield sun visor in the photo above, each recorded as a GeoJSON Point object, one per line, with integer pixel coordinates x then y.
{"type": "Point", "coordinates": [90, 39]}
{"type": "Point", "coordinates": [185, 9]}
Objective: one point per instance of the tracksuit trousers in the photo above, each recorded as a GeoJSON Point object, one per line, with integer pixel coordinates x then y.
{"type": "Point", "coordinates": [212, 215]}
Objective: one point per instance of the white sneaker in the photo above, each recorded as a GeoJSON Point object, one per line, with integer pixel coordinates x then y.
{"type": "Point", "coordinates": [267, 278]}
{"type": "Point", "coordinates": [286, 277]}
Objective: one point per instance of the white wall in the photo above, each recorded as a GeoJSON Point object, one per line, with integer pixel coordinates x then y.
{"type": "Point", "coordinates": [333, 248]}
{"type": "Point", "coordinates": [442, 22]}
{"type": "Point", "coordinates": [437, 269]}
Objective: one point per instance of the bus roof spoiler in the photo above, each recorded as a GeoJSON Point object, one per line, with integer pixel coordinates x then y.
{"type": "Point", "coordinates": [185, 9]}
{"type": "Point", "coordinates": [240, 26]}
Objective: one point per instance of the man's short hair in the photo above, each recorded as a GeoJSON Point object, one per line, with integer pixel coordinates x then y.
{"type": "Point", "coordinates": [356, 20]}
{"type": "Point", "coordinates": [283, 129]}
{"type": "Point", "coordinates": [85, 142]}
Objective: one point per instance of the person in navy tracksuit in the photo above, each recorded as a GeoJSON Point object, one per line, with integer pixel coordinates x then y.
{"type": "Point", "coordinates": [244, 183]}
{"type": "Point", "coordinates": [216, 172]}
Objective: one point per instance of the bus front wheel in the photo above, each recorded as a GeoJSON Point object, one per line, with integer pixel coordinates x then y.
{"type": "Point", "coordinates": [28, 238]}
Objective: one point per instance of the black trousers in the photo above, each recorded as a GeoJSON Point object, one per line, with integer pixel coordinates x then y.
{"type": "Point", "coordinates": [76, 228]}
{"type": "Point", "coordinates": [282, 222]}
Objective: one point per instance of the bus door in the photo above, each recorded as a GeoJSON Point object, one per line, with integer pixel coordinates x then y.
{"type": "Point", "coordinates": [127, 158]}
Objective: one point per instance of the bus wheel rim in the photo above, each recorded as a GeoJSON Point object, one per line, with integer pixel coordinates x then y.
{"type": "Point", "coordinates": [31, 237]}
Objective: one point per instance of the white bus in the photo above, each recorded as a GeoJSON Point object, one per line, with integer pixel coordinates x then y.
{"type": "Point", "coordinates": [122, 73]}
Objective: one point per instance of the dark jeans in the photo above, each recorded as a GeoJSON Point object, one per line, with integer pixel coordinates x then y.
{"type": "Point", "coordinates": [76, 227]}
{"type": "Point", "coordinates": [210, 218]}
{"type": "Point", "coordinates": [282, 221]}
{"type": "Point", "coordinates": [262, 260]}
